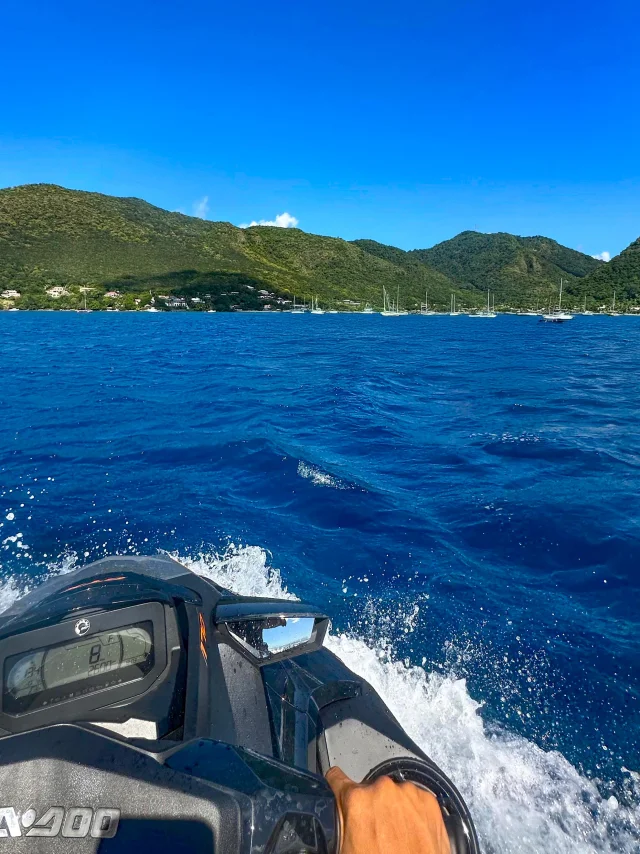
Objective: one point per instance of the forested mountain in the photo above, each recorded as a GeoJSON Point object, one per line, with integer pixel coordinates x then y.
{"type": "Point", "coordinates": [621, 274]}
{"type": "Point", "coordinates": [519, 270]}
{"type": "Point", "coordinates": [91, 244]}
{"type": "Point", "coordinates": [51, 236]}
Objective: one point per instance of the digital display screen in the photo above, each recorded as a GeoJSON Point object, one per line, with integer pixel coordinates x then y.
{"type": "Point", "coordinates": [43, 677]}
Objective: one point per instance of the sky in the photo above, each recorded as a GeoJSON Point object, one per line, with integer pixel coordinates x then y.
{"type": "Point", "coordinates": [404, 122]}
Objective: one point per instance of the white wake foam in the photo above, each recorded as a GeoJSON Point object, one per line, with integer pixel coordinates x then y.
{"type": "Point", "coordinates": [523, 800]}
{"type": "Point", "coordinates": [318, 477]}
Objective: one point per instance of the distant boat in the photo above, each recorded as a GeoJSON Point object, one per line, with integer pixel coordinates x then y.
{"type": "Point", "coordinates": [485, 313]}
{"type": "Point", "coordinates": [424, 309]}
{"type": "Point", "coordinates": [314, 308]}
{"type": "Point", "coordinates": [84, 310]}
{"type": "Point", "coordinates": [368, 310]}
{"type": "Point", "coordinates": [453, 312]}
{"type": "Point", "coordinates": [333, 311]}
{"type": "Point", "coordinates": [530, 312]}
{"type": "Point", "coordinates": [557, 315]}
{"type": "Point", "coordinates": [298, 309]}
{"type": "Point", "coordinates": [390, 307]}
{"type": "Point", "coordinates": [613, 312]}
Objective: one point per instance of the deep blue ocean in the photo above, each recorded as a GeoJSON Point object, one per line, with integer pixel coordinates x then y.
{"type": "Point", "coordinates": [463, 496]}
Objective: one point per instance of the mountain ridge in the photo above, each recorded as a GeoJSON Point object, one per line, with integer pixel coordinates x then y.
{"type": "Point", "coordinates": [507, 264]}
{"type": "Point", "coordinates": [51, 236]}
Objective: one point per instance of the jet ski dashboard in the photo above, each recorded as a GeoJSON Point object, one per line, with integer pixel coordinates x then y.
{"type": "Point", "coordinates": [143, 705]}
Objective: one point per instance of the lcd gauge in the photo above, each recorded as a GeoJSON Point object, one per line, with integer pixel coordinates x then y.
{"type": "Point", "coordinates": [54, 674]}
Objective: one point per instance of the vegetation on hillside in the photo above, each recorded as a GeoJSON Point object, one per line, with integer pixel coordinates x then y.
{"type": "Point", "coordinates": [90, 245]}
{"type": "Point", "coordinates": [621, 274]}
{"type": "Point", "coordinates": [520, 271]}
{"type": "Point", "coordinates": [50, 236]}
{"type": "Point", "coordinates": [509, 265]}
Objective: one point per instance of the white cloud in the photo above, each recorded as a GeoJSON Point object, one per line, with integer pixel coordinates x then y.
{"type": "Point", "coordinates": [201, 207]}
{"type": "Point", "coordinates": [283, 220]}
{"type": "Point", "coordinates": [603, 256]}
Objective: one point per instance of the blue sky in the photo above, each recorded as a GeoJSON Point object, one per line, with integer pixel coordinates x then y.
{"type": "Point", "coordinates": [401, 121]}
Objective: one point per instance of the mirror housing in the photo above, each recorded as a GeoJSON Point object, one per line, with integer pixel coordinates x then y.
{"type": "Point", "coordinates": [267, 630]}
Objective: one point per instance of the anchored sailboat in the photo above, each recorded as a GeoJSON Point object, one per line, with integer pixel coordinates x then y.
{"type": "Point", "coordinates": [83, 310]}
{"type": "Point", "coordinates": [613, 312]}
{"type": "Point", "coordinates": [557, 315]}
{"type": "Point", "coordinates": [391, 308]}
{"type": "Point", "coordinates": [424, 308]}
{"type": "Point", "coordinates": [485, 312]}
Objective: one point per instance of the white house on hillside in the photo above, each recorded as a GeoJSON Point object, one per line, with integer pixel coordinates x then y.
{"type": "Point", "coordinates": [57, 292]}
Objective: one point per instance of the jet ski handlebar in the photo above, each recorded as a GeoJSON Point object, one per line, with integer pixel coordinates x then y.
{"type": "Point", "coordinates": [144, 707]}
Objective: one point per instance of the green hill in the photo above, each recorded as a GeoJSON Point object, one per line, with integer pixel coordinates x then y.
{"type": "Point", "coordinates": [51, 236]}
{"type": "Point", "coordinates": [54, 237]}
{"type": "Point", "coordinates": [621, 274]}
{"type": "Point", "coordinates": [514, 267]}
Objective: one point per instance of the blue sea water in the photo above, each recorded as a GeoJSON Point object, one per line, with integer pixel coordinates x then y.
{"type": "Point", "coordinates": [462, 496]}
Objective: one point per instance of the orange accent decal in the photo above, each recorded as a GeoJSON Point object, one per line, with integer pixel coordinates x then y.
{"type": "Point", "coordinates": [203, 639]}
{"type": "Point", "coordinates": [95, 581]}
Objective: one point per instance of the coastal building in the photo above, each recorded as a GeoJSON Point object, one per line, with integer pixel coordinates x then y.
{"type": "Point", "coordinates": [10, 294]}
{"type": "Point", "coordinates": [112, 294]}
{"type": "Point", "coordinates": [57, 292]}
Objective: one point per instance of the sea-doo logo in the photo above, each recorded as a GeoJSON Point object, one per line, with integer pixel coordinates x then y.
{"type": "Point", "coordinates": [82, 626]}
{"type": "Point", "coordinates": [72, 823]}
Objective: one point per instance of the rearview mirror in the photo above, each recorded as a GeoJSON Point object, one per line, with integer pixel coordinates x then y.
{"type": "Point", "coordinates": [268, 630]}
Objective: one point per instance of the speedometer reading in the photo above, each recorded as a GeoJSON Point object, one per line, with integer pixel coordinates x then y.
{"type": "Point", "coordinates": [84, 666]}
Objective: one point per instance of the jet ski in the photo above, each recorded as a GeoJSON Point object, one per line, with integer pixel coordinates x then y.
{"type": "Point", "coordinates": [145, 708]}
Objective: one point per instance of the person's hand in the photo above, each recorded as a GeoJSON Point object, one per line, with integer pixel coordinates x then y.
{"type": "Point", "coordinates": [385, 817]}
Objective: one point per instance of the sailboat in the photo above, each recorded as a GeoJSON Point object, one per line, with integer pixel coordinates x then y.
{"type": "Point", "coordinates": [424, 309]}
{"type": "Point", "coordinates": [613, 312]}
{"type": "Point", "coordinates": [390, 307]}
{"type": "Point", "coordinates": [297, 309]}
{"type": "Point", "coordinates": [314, 307]}
{"type": "Point", "coordinates": [584, 308]}
{"type": "Point", "coordinates": [453, 312]}
{"type": "Point", "coordinates": [528, 312]}
{"type": "Point", "coordinates": [557, 315]}
{"type": "Point", "coordinates": [485, 313]}
{"type": "Point", "coordinates": [84, 310]}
